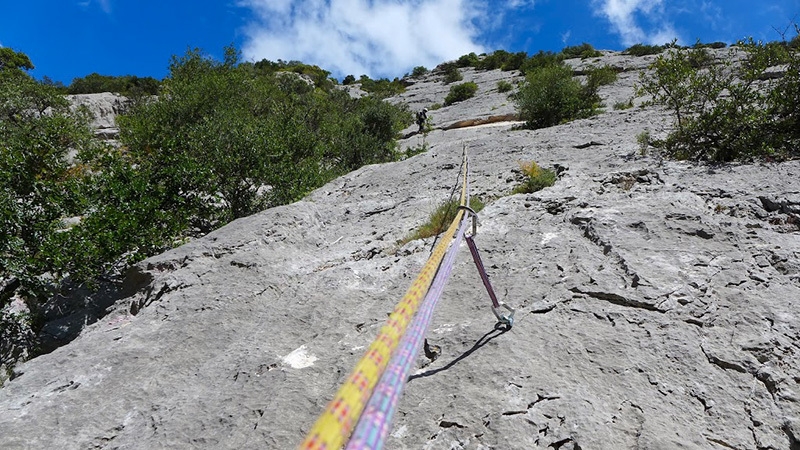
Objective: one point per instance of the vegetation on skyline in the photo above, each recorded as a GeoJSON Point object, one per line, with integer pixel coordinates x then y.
{"type": "Point", "coordinates": [725, 111]}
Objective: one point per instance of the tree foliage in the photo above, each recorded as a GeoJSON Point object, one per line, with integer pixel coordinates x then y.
{"type": "Point", "coordinates": [727, 112]}
{"type": "Point", "coordinates": [38, 186]}
{"type": "Point", "coordinates": [382, 87]}
{"type": "Point", "coordinates": [127, 85]}
{"type": "Point", "coordinates": [550, 96]}
{"type": "Point", "coordinates": [10, 59]}
{"type": "Point", "coordinates": [461, 92]}
{"type": "Point", "coordinates": [582, 51]}
{"type": "Point", "coordinates": [223, 140]}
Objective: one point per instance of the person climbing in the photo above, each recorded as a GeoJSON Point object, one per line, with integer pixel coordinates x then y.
{"type": "Point", "coordinates": [422, 116]}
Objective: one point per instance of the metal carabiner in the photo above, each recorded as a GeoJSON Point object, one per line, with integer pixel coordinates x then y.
{"type": "Point", "coordinates": [504, 320]}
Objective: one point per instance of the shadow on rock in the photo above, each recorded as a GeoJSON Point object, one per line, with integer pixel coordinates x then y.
{"type": "Point", "coordinates": [496, 332]}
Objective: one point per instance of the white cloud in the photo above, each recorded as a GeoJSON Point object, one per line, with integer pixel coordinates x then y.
{"type": "Point", "coordinates": [374, 37]}
{"type": "Point", "coordinates": [514, 4]}
{"type": "Point", "coordinates": [626, 17]}
{"type": "Point", "coordinates": [105, 5]}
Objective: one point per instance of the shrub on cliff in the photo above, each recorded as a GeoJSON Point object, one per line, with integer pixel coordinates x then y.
{"type": "Point", "coordinates": [39, 187]}
{"type": "Point", "coordinates": [550, 96]}
{"type": "Point", "coordinates": [643, 50]}
{"type": "Point", "coordinates": [727, 112]}
{"type": "Point", "coordinates": [239, 142]}
{"type": "Point", "coordinates": [451, 73]}
{"type": "Point", "coordinates": [582, 51]}
{"type": "Point", "coordinates": [127, 85]}
{"type": "Point", "coordinates": [461, 92]}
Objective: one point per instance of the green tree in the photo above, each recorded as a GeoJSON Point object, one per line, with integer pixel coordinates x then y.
{"type": "Point", "coordinates": [451, 73]}
{"type": "Point", "coordinates": [419, 71]}
{"type": "Point", "coordinates": [10, 59]}
{"type": "Point", "coordinates": [726, 112]}
{"type": "Point", "coordinates": [541, 59]}
{"type": "Point", "coordinates": [643, 50]}
{"type": "Point", "coordinates": [550, 96]}
{"type": "Point", "coordinates": [39, 186]}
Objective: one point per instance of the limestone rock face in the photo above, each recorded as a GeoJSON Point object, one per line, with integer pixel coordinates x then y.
{"type": "Point", "coordinates": [656, 305]}
{"type": "Point", "coordinates": [105, 107]}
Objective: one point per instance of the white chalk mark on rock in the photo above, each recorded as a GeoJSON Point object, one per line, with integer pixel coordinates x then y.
{"type": "Point", "coordinates": [300, 358]}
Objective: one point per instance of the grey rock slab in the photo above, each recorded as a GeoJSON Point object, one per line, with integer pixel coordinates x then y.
{"type": "Point", "coordinates": [655, 306]}
{"type": "Point", "coordinates": [104, 107]}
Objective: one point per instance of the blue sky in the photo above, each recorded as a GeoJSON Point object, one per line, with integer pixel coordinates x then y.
{"type": "Point", "coordinates": [66, 39]}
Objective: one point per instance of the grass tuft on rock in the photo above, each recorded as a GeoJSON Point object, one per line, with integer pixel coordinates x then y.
{"type": "Point", "coordinates": [441, 219]}
{"type": "Point", "coordinates": [536, 178]}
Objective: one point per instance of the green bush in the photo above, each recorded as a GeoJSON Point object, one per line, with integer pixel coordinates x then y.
{"type": "Point", "coordinates": [382, 88]}
{"type": "Point", "coordinates": [699, 57]}
{"type": "Point", "coordinates": [501, 59]}
{"type": "Point", "coordinates": [727, 112]}
{"type": "Point", "coordinates": [38, 185]}
{"type": "Point", "coordinates": [223, 140]}
{"type": "Point", "coordinates": [582, 51]}
{"type": "Point", "coordinates": [601, 76]}
{"type": "Point", "coordinates": [536, 178]}
{"type": "Point", "coordinates": [643, 50]}
{"type": "Point", "coordinates": [644, 140]}
{"type": "Point", "coordinates": [795, 42]}
{"type": "Point", "coordinates": [541, 59]}
{"type": "Point", "coordinates": [504, 86]}
{"type": "Point", "coordinates": [451, 73]}
{"type": "Point", "coordinates": [550, 96]}
{"type": "Point", "coordinates": [320, 77]}
{"type": "Point", "coordinates": [623, 105]}
{"type": "Point", "coordinates": [128, 85]}
{"type": "Point", "coordinates": [714, 45]}
{"type": "Point", "coordinates": [461, 92]}
{"type": "Point", "coordinates": [469, 60]}
{"type": "Point", "coordinates": [10, 59]}
{"type": "Point", "coordinates": [419, 71]}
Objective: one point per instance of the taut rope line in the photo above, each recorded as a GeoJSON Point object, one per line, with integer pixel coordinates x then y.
{"type": "Point", "coordinates": [396, 346]}
{"type": "Point", "coordinates": [336, 422]}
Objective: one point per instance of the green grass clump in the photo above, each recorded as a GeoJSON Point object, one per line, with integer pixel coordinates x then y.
{"type": "Point", "coordinates": [536, 178]}
{"type": "Point", "coordinates": [441, 219]}
{"type": "Point", "coordinates": [619, 106]}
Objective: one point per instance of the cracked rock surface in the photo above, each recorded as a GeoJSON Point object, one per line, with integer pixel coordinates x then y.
{"type": "Point", "coordinates": [656, 305]}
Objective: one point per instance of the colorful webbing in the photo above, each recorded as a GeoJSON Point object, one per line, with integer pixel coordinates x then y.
{"type": "Point", "coordinates": [482, 271]}
{"type": "Point", "coordinates": [375, 422]}
{"type": "Point", "coordinates": [336, 422]}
